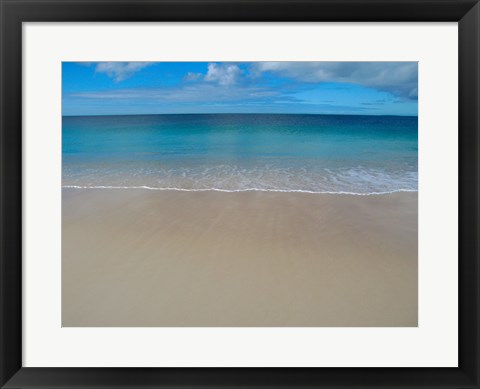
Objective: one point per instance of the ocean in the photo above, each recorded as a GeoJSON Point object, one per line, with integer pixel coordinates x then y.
{"type": "Point", "coordinates": [242, 152]}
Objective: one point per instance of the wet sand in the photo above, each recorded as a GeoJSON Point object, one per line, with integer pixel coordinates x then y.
{"type": "Point", "coordinates": [168, 258]}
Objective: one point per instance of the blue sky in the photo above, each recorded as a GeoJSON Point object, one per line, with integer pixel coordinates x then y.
{"type": "Point", "coordinates": [361, 88]}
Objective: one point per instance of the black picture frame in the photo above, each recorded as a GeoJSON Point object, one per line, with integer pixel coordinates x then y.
{"type": "Point", "coordinates": [14, 12]}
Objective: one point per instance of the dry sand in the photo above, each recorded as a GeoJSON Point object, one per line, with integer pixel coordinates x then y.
{"type": "Point", "coordinates": [168, 258]}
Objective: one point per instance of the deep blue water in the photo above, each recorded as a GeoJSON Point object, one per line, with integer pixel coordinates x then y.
{"type": "Point", "coordinates": [318, 153]}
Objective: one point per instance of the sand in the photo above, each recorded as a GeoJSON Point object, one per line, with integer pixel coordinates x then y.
{"type": "Point", "coordinates": [167, 258]}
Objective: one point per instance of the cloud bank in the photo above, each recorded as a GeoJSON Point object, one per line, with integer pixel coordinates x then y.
{"type": "Point", "coordinates": [397, 78]}
{"type": "Point", "coordinates": [203, 92]}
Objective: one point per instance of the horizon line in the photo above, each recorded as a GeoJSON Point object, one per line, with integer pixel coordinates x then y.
{"type": "Point", "coordinates": [240, 113]}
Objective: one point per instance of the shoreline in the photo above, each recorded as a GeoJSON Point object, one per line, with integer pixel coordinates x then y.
{"type": "Point", "coordinates": [172, 258]}
{"type": "Point", "coordinates": [146, 187]}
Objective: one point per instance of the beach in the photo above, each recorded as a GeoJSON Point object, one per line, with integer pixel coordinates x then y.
{"type": "Point", "coordinates": [170, 258]}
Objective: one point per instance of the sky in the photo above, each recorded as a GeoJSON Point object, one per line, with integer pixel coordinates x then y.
{"type": "Point", "coordinates": [347, 88]}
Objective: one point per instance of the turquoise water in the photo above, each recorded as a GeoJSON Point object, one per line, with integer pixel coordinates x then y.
{"type": "Point", "coordinates": [313, 153]}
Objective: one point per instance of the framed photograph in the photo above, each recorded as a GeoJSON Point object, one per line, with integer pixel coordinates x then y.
{"type": "Point", "coordinates": [239, 194]}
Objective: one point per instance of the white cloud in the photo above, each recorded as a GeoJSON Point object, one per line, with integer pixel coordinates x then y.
{"type": "Point", "coordinates": [198, 92]}
{"type": "Point", "coordinates": [120, 71]}
{"type": "Point", "coordinates": [223, 74]}
{"type": "Point", "coordinates": [398, 78]}
{"type": "Point", "coordinates": [192, 76]}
